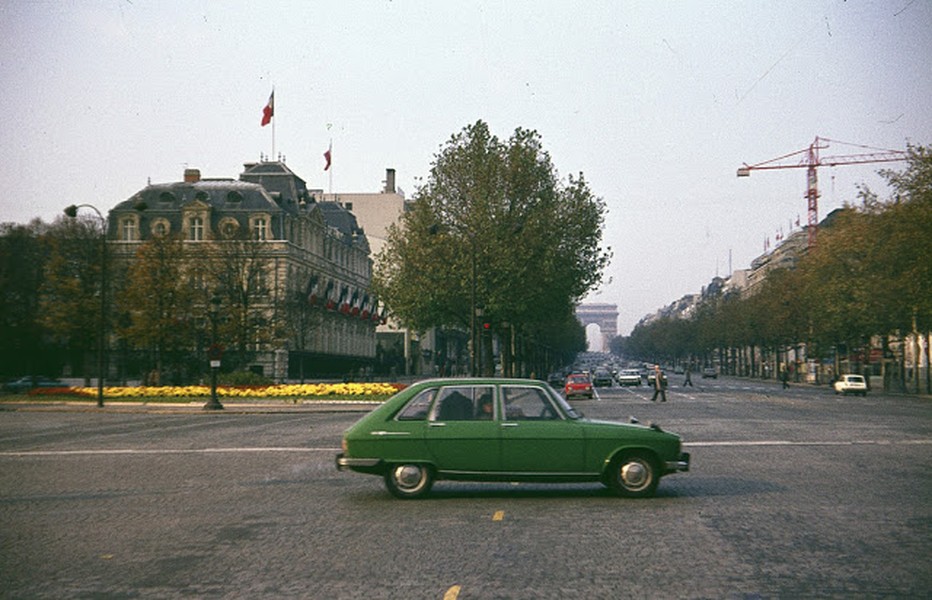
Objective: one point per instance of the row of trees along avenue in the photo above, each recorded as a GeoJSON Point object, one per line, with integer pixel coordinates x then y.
{"type": "Point", "coordinates": [498, 246]}
{"type": "Point", "coordinates": [867, 283]}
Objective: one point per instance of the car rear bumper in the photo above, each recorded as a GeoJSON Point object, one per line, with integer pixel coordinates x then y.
{"type": "Point", "coordinates": [345, 463]}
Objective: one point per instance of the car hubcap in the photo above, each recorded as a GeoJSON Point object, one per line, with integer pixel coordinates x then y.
{"type": "Point", "coordinates": [408, 476]}
{"type": "Point", "coordinates": [633, 474]}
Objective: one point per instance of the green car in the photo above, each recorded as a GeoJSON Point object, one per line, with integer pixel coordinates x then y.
{"type": "Point", "coordinates": [503, 430]}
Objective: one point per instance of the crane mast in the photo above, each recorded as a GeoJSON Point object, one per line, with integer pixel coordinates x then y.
{"type": "Point", "coordinates": [810, 159]}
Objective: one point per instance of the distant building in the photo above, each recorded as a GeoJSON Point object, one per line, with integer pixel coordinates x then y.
{"type": "Point", "coordinates": [399, 349]}
{"type": "Point", "coordinates": [315, 256]}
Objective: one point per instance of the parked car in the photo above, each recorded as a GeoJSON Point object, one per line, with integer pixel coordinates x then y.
{"type": "Point", "coordinates": [851, 384]}
{"type": "Point", "coordinates": [24, 384]}
{"type": "Point", "coordinates": [602, 378]}
{"type": "Point", "coordinates": [577, 384]}
{"type": "Point", "coordinates": [503, 430]}
{"type": "Point", "coordinates": [555, 379]}
{"type": "Point", "coordinates": [629, 377]}
{"type": "Point", "coordinates": [709, 372]}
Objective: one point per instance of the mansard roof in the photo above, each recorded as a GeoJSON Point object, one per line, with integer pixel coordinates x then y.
{"type": "Point", "coordinates": [222, 194]}
{"type": "Point", "coordinates": [289, 190]}
{"type": "Point", "coordinates": [338, 218]}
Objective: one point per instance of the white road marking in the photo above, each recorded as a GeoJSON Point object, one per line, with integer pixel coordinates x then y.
{"type": "Point", "coordinates": [143, 451]}
{"type": "Point", "coordinates": [810, 443]}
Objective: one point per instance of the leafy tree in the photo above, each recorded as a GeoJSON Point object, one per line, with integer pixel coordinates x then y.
{"type": "Point", "coordinates": [70, 293]}
{"type": "Point", "coordinates": [24, 347]}
{"type": "Point", "coordinates": [493, 229]}
{"type": "Point", "coordinates": [235, 267]}
{"type": "Point", "coordinates": [164, 310]}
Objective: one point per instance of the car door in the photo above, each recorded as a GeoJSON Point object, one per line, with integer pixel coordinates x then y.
{"type": "Point", "coordinates": [460, 435]}
{"type": "Point", "coordinates": [536, 437]}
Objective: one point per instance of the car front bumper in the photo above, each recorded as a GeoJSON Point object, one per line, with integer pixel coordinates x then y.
{"type": "Point", "coordinates": [681, 465]}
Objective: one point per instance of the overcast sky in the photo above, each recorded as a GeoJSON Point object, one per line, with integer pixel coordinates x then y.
{"type": "Point", "coordinates": [656, 103]}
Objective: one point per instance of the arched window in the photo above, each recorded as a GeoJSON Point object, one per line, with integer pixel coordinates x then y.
{"type": "Point", "coordinates": [229, 227]}
{"type": "Point", "coordinates": [161, 228]}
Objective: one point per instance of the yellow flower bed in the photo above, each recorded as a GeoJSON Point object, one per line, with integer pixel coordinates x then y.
{"type": "Point", "coordinates": [312, 390]}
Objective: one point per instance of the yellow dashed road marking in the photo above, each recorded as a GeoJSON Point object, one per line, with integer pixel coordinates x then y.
{"type": "Point", "coordinates": [452, 593]}
{"type": "Point", "coordinates": [499, 515]}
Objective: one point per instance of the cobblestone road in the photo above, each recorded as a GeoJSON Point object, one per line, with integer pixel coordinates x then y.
{"type": "Point", "coordinates": [792, 494]}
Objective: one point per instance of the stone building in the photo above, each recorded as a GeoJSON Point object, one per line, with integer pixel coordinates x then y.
{"type": "Point", "coordinates": [312, 290]}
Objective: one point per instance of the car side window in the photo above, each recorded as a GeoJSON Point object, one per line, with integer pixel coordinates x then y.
{"type": "Point", "coordinates": [527, 404]}
{"type": "Point", "coordinates": [464, 403]}
{"type": "Point", "coordinates": [418, 408]}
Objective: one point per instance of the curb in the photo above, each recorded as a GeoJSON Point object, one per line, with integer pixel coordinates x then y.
{"type": "Point", "coordinates": [189, 407]}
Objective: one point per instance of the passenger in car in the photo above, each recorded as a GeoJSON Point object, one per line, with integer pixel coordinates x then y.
{"type": "Point", "coordinates": [485, 411]}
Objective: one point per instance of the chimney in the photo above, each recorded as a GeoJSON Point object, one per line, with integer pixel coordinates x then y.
{"type": "Point", "coordinates": [192, 175]}
{"type": "Point", "coordinates": [389, 181]}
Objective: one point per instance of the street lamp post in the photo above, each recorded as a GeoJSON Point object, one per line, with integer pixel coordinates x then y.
{"type": "Point", "coordinates": [72, 211]}
{"type": "Point", "coordinates": [214, 353]}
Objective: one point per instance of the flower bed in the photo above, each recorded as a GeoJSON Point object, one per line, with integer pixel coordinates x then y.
{"type": "Point", "coordinates": [347, 391]}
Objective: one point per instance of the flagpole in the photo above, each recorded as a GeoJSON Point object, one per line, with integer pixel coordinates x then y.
{"type": "Point", "coordinates": [273, 130]}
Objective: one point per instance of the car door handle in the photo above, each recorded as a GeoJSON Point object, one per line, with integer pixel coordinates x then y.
{"type": "Point", "coordinates": [438, 424]}
{"type": "Point", "coordinates": [509, 424]}
{"type": "Point", "coordinates": [390, 433]}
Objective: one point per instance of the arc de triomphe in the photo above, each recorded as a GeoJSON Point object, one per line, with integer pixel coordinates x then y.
{"type": "Point", "coordinates": [603, 315]}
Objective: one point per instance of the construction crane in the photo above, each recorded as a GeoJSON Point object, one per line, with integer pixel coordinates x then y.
{"type": "Point", "coordinates": [811, 160]}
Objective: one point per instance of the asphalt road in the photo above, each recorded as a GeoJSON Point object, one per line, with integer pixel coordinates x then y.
{"type": "Point", "coordinates": [793, 494]}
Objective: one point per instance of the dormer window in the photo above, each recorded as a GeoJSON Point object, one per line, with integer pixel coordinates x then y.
{"type": "Point", "coordinates": [259, 228]}
{"type": "Point", "coordinates": [160, 228]}
{"type": "Point", "coordinates": [229, 228]}
{"type": "Point", "coordinates": [196, 229]}
{"type": "Point", "coordinates": [129, 231]}
{"type": "Point", "coordinates": [234, 197]}
{"type": "Point", "coordinates": [166, 198]}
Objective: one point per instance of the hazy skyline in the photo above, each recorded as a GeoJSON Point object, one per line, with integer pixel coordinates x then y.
{"type": "Point", "coordinates": [657, 104]}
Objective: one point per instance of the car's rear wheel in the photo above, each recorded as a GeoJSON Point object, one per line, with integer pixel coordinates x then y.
{"type": "Point", "coordinates": [633, 475]}
{"type": "Point", "coordinates": [409, 480]}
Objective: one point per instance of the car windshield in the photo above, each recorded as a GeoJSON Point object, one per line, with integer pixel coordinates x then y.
{"type": "Point", "coordinates": [565, 406]}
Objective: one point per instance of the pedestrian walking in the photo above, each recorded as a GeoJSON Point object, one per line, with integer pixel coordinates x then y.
{"type": "Point", "coordinates": [786, 378]}
{"type": "Point", "coordinates": [689, 378]}
{"type": "Point", "coordinates": [660, 386]}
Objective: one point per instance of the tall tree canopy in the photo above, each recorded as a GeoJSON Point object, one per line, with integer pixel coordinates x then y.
{"type": "Point", "coordinates": [493, 228]}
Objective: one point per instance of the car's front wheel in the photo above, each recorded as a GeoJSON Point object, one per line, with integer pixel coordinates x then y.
{"type": "Point", "coordinates": [409, 481]}
{"type": "Point", "coordinates": [633, 475]}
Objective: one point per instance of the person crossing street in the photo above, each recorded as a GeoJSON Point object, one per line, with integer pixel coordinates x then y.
{"type": "Point", "coordinates": [660, 387]}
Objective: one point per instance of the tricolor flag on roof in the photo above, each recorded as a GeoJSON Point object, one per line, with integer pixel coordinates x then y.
{"type": "Point", "coordinates": [269, 111]}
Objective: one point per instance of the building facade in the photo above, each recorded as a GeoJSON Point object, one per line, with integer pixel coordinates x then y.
{"type": "Point", "coordinates": [309, 261]}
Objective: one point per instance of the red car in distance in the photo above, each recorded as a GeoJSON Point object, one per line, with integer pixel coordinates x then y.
{"type": "Point", "coordinates": [577, 384]}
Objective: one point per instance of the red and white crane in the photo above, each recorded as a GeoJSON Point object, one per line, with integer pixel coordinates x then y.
{"type": "Point", "coordinates": [810, 159]}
